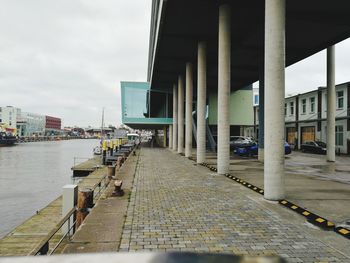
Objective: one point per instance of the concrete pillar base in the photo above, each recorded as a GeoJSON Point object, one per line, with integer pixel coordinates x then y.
{"type": "Point", "coordinates": [261, 156]}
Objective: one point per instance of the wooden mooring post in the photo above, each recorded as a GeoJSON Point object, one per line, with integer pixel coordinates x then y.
{"type": "Point", "coordinates": [85, 201]}
{"type": "Point", "coordinates": [110, 171]}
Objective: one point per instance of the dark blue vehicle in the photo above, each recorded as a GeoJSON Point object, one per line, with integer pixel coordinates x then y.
{"type": "Point", "coordinates": [252, 149]}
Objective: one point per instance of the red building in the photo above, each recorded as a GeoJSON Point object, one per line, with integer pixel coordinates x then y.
{"type": "Point", "coordinates": [52, 123]}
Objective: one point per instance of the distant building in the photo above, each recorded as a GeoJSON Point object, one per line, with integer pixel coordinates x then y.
{"type": "Point", "coordinates": [306, 117]}
{"type": "Point", "coordinates": [52, 124]}
{"type": "Point", "coordinates": [8, 118]}
{"type": "Point", "coordinates": [13, 120]}
{"type": "Point", "coordinates": [29, 124]}
{"type": "Point", "coordinates": [96, 132]}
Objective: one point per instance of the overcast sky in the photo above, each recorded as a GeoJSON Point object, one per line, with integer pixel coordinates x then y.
{"type": "Point", "coordinates": [66, 58]}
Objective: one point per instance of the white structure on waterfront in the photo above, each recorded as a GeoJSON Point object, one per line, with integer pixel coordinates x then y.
{"type": "Point", "coordinates": [8, 117]}
{"type": "Point", "coordinates": [306, 117]}
{"type": "Point", "coordinates": [21, 123]}
{"type": "Point", "coordinates": [30, 124]}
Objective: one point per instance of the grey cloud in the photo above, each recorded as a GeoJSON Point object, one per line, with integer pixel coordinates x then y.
{"type": "Point", "coordinates": [67, 57]}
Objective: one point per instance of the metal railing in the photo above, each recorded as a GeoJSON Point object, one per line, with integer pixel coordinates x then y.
{"type": "Point", "coordinates": [101, 185]}
{"type": "Point", "coordinates": [43, 248]}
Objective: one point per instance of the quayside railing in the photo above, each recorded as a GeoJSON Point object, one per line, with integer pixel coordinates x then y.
{"type": "Point", "coordinates": [43, 248]}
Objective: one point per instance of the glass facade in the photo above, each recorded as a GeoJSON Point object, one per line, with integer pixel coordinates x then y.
{"type": "Point", "coordinates": [141, 105]}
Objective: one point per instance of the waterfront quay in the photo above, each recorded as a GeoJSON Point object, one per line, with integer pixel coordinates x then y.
{"type": "Point", "coordinates": [23, 239]}
{"type": "Point", "coordinates": [47, 138]}
{"type": "Point", "coordinates": [32, 175]}
{"type": "Point", "coordinates": [45, 231]}
{"type": "Point", "coordinates": [173, 204]}
{"type": "Point", "coordinates": [177, 205]}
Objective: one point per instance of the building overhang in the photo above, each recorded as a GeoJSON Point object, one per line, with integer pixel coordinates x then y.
{"type": "Point", "coordinates": [178, 25]}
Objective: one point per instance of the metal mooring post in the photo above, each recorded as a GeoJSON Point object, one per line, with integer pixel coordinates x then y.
{"type": "Point", "coordinates": [104, 152]}
{"type": "Point", "coordinates": [111, 147]}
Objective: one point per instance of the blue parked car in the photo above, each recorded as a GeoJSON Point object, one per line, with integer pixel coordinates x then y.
{"type": "Point", "coordinates": [252, 149]}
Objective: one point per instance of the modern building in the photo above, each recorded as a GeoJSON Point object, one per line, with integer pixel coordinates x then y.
{"type": "Point", "coordinates": [8, 118]}
{"type": "Point", "coordinates": [306, 117]}
{"type": "Point", "coordinates": [206, 53]}
{"type": "Point", "coordinates": [30, 124]}
{"type": "Point", "coordinates": [21, 123]}
{"type": "Point", "coordinates": [52, 125]}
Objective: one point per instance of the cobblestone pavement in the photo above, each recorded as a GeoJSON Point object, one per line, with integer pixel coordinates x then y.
{"type": "Point", "coordinates": [176, 206]}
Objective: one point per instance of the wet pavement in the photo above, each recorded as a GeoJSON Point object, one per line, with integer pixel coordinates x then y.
{"type": "Point", "coordinates": [176, 205]}
{"type": "Point", "coordinates": [311, 182]}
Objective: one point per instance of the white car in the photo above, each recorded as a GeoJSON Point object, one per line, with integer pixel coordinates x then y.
{"type": "Point", "coordinates": [237, 141]}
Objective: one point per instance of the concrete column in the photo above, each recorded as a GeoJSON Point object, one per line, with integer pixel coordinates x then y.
{"type": "Point", "coordinates": [180, 113]}
{"type": "Point", "coordinates": [189, 107]}
{"type": "Point", "coordinates": [170, 137]}
{"type": "Point", "coordinates": [331, 104]}
{"type": "Point", "coordinates": [224, 88]}
{"type": "Point", "coordinates": [69, 200]}
{"type": "Point", "coordinates": [274, 99]}
{"type": "Point", "coordinates": [164, 136]}
{"type": "Point", "coordinates": [175, 117]}
{"type": "Point", "coordinates": [261, 116]}
{"type": "Point", "coordinates": [201, 101]}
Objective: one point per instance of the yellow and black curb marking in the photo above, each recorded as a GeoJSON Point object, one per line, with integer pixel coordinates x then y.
{"type": "Point", "coordinates": [246, 184]}
{"type": "Point", "coordinates": [311, 217]}
{"type": "Point", "coordinates": [343, 231]}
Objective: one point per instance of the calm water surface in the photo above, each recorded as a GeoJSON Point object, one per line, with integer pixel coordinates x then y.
{"type": "Point", "coordinates": [32, 175]}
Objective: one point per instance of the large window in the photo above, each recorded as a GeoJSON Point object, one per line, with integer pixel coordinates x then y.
{"type": "Point", "coordinates": [340, 99]}
{"type": "Point", "coordinates": [292, 108]}
{"type": "Point", "coordinates": [312, 105]}
{"type": "Point", "coordinates": [135, 103]}
{"type": "Point", "coordinates": [307, 134]}
{"type": "Point", "coordinates": [303, 106]}
{"type": "Point", "coordinates": [256, 99]}
{"type": "Point", "coordinates": [339, 135]}
{"type": "Point", "coordinates": [285, 109]}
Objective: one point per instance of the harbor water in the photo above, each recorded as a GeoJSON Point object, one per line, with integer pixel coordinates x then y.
{"type": "Point", "coordinates": [32, 175]}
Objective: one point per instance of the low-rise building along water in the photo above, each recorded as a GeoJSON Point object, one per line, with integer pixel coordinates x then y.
{"type": "Point", "coordinates": [306, 117]}
{"type": "Point", "coordinates": [25, 124]}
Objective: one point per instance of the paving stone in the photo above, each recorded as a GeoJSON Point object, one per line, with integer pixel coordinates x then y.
{"type": "Point", "coordinates": [175, 206]}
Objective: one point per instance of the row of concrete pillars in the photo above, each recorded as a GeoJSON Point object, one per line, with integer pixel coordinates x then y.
{"type": "Point", "coordinates": [272, 93]}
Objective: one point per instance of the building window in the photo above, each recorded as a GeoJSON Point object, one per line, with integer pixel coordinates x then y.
{"type": "Point", "coordinates": [340, 99]}
{"type": "Point", "coordinates": [339, 133]}
{"type": "Point", "coordinates": [292, 108]}
{"type": "Point", "coordinates": [312, 105]}
{"type": "Point", "coordinates": [285, 109]}
{"type": "Point", "coordinates": [256, 99]}
{"type": "Point", "coordinates": [303, 106]}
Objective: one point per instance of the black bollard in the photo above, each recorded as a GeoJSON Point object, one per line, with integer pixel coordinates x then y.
{"type": "Point", "coordinates": [104, 152]}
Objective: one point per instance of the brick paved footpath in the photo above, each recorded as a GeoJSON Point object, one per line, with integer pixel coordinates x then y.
{"type": "Point", "coordinates": [177, 206]}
